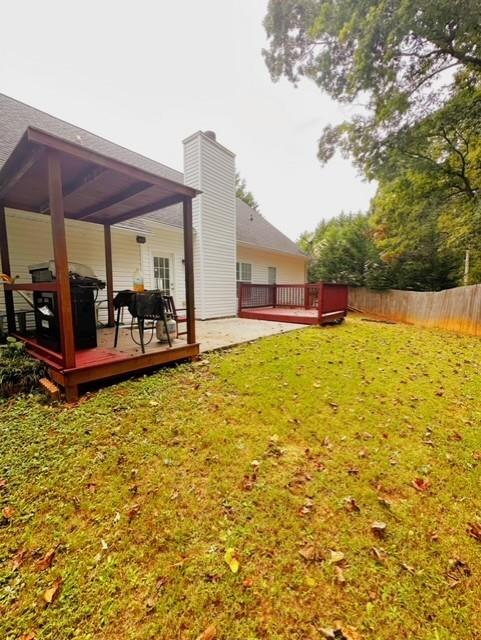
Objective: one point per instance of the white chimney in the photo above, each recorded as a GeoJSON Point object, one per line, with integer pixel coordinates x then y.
{"type": "Point", "coordinates": [210, 167]}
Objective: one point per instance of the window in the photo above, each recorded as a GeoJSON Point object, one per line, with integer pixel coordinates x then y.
{"type": "Point", "coordinates": [162, 274]}
{"type": "Point", "coordinates": [272, 275]}
{"type": "Point", "coordinates": [244, 272]}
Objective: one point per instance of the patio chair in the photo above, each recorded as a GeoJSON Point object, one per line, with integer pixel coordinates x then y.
{"type": "Point", "coordinates": [148, 305]}
{"type": "Point", "coordinates": [171, 310]}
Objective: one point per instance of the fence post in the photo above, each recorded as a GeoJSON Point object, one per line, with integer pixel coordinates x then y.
{"type": "Point", "coordinates": [274, 295]}
{"type": "Point", "coordinates": [320, 296]}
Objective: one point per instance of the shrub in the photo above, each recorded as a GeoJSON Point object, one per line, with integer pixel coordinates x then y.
{"type": "Point", "coordinates": [18, 371]}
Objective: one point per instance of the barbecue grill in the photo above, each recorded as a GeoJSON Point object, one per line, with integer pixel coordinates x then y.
{"type": "Point", "coordinates": [84, 287]}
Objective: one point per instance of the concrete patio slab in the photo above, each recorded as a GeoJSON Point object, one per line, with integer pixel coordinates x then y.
{"type": "Point", "coordinates": [227, 332]}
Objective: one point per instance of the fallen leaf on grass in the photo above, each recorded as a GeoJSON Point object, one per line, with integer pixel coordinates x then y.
{"type": "Point", "coordinates": [28, 636]}
{"type": "Point", "coordinates": [340, 633]}
{"type": "Point", "coordinates": [19, 558]}
{"type": "Point", "coordinates": [379, 555]}
{"type": "Point", "coordinates": [351, 505]}
{"type": "Point", "coordinates": [3, 483]}
{"type": "Point", "coordinates": [340, 578]}
{"type": "Point", "coordinates": [231, 560]}
{"type": "Point", "coordinates": [209, 634]}
{"type": "Point", "coordinates": [8, 512]}
{"type": "Point", "coordinates": [457, 571]}
{"type": "Point", "coordinates": [307, 507]}
{"type": "Point", "coordinates": [47, 560]}
{"type": "Point", "coordinates": [311, 554]}
{"type": "Point", "coordinates": [379, 528]}
{"type": "Point", "coordinates": [474, 530]}
{"type": "Point", "coordinates": [421, 484]}
{"type": "Point", "coordinates": [248, 583]}
{"type": "Point", "coordinates": [133, 512]}
{"type": "Point", "coordinates": [336, 557]}
{"type": "Point", "coordinates": [52, 593]}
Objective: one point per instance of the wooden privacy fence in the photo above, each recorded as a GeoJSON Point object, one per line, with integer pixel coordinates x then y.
{"type": "Point", "coordinates": [453, 309]}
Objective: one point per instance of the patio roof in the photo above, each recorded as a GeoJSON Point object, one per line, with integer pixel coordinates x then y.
{"type": "Point", "coordinates": [96, 187]}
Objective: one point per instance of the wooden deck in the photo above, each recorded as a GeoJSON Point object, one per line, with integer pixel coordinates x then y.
{"type": "Point", "coordinates": [279, 314]}
{"type": "Point", "coordinates": [308, 303]}
{"type": "Point", "coordinates": [105, 362]}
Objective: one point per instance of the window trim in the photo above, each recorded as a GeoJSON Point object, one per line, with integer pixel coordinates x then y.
{"type": "Point", "coordinates": [240, 272]}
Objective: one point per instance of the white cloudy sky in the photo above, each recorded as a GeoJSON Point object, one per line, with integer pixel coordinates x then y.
{"type": "Point", "coordinates": [146, 74]}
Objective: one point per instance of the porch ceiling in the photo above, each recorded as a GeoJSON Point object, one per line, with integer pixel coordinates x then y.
{"type": "Point", "coordinates": [96, 188]}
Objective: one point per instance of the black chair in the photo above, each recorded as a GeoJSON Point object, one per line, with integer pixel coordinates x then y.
{"type": "Point", "coordinates": [148, 305]}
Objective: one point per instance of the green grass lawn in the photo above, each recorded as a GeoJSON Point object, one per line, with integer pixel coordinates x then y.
{"type": "Point", "coordinates": [282, 453]}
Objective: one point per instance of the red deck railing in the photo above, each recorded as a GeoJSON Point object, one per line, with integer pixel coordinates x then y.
{"type": "Point", "coordinates": [329, 299]}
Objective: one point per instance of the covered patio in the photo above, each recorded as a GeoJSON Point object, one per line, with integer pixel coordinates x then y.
{"type": "Point", "coordinates": [48, 175]}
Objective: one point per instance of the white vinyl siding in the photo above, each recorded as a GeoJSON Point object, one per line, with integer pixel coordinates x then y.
{"type": "Point", "coordinates": [211, 168]}
{"type": "Point", "coordinates": [289, 269]}
{"type": "Point", "coordinates": [30, 242]}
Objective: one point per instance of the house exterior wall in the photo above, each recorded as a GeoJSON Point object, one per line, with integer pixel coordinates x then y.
{"type": "Point", "coordinates": [209, 167]}
{"type": "Point", "coordinates": [30, 242]}
{"type": "Point", "coordinates": [290, 269]}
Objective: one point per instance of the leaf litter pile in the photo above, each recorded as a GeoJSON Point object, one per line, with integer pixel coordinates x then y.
{"type": "Point", "coordinates": [320, 484]}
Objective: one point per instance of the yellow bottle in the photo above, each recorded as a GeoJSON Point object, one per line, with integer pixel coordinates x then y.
{"type": "Point", "coordinates": [138, 281]}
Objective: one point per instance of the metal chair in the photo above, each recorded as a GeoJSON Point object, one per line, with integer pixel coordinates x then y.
{"type": "Point", "coordinates": [148, 305]}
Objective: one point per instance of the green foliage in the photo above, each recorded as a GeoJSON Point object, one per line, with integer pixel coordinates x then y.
{"type": "Point", "coordinates": [142, 488]}
{"type": "Point", "coordinates": [399, 58]}
{"type": "Point", "coordinates": [416, 69]}
{"type": "Point", "coordinates": [243, 193]}
{"type": "Point", "coordinates": [18, 371]}
{"type": "Point", "coordinates": [342, 250]}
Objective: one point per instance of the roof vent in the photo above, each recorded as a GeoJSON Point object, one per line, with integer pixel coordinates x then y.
{"type": "Point", "coordinates": [210, 134]}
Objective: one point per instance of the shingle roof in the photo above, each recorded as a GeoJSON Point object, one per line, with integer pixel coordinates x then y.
{"type": "Point", "coordinates": [255, 230]}
{"type": "Point", "coordinates": [15, 117]}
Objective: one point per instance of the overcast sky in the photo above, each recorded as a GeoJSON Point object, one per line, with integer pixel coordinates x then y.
{"type": "Point", "coordinates": [146, 74]}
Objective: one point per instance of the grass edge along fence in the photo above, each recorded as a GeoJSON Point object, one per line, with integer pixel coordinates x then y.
{"type": "Point", "coordinates": [456, 309]}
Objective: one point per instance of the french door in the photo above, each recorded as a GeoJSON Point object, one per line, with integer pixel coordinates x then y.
{"type": "Point", "coordinates": [163, 274]}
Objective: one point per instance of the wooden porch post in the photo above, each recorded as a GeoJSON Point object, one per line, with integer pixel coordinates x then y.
{"type": "Point", "coordinates": [61, 260]}
{"type": "Point", "coordinates": [5, 262]}
{"type": "Point", "coordinates": [109, 274]}
{"type": "Point", "coordinates": [189, 269]}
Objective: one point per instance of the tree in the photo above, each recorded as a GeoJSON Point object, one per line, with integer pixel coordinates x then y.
{"type": "Point", "coordinates": [342, 250]}
{"type": "Point", "coordinates": [400, 58]}
{"type": "Point", "coordinates": [415, 67]}
{"type": "Point", "coordinates": [243, 194]}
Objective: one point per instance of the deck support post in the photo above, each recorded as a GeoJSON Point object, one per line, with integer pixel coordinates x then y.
{"type": "Point", "coordinates": [59, 239]}
{"type": "Point", "coordinates": [320, 302]}
{"type": "Point", "coordinates": [109, 274]}
{"type": "Point", "coordinates": [189, 269]}
{"type": "Point", "coordinates": [5, 263]}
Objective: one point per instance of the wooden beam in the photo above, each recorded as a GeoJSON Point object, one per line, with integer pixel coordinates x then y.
{"type": "Point", "coordinates": [40, 137]}
{"type": "Point", "coordinates": [148, 208]}
{"type": "Point", "coordinates": [106, 203]}
{"type": "Point", "coordinates": [5, 263]}
{"type": "Point", "coordinates": [61, 259]}
{"type": "Point", "coordinates": [86, 178]}
{"type": "Point", "coordinates": [189, 269]}
{"type": "Point", "coordinates": [32, 286]}
{"type": "Point", "coordinates": [20, 170]}
{"type": "Point", "coordinates": [109, 274]}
